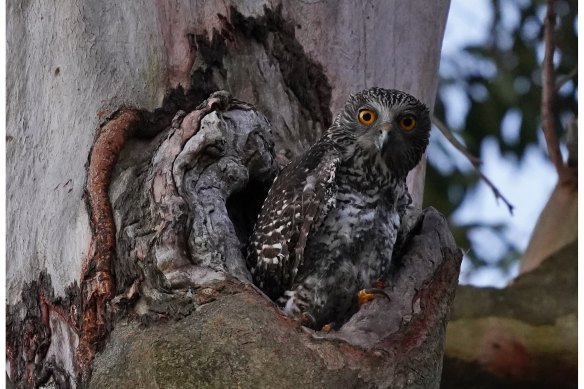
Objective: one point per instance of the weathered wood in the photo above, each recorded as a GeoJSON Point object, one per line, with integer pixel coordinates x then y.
{"type": "Point", "coordinates": [188, 229]}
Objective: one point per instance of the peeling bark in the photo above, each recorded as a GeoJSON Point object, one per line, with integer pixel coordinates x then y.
{"type": "Point", "coordinates": [40, 344]}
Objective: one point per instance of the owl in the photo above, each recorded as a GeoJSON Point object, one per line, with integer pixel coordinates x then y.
{"type": "Point", "coordinates": [329, 224]}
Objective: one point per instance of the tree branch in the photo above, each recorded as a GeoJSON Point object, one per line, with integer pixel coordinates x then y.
{"type": "Point", "coordinates": [522, 336]}
{"type": "Point", "coordinates": [548, 92]}
{"type": "Point", "coordinates": [474, 161]}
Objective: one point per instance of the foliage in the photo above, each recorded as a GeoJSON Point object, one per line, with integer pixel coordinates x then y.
{"type": "Point", "coordinates": [501, 80]}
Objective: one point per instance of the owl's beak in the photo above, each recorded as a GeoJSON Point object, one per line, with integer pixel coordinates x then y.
{"type": "Point", "coordinates": [384, 135]}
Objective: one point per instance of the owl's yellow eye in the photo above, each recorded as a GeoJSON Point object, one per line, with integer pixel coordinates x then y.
{"type": "Point", "coordinates": [407, 122]}
{"type": "Point", "coordinates": [367, 117]}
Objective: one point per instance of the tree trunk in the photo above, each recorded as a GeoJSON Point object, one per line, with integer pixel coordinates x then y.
{"type": "Point", "coordinates": [557, 225]}
{"type": "Point", "coordinates": [129, 201]}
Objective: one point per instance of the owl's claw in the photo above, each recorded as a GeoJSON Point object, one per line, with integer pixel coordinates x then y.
{"type": "Point", "coordinates": [307, 320]}
{"type": "Point", "coordinates": [367, 295]}
{"type": "Point", "coordinates": [326, 328]}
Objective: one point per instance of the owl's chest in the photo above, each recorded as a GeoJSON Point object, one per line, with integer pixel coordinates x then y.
{"type": "Point", "coordinates": [357, 218]}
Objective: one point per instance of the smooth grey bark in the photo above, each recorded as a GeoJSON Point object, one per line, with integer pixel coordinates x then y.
{"type": "Point", "coordinates": [72, 64]}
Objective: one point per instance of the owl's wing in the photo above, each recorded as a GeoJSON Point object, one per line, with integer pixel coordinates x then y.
{"type": "Point", "coordinates": [297, 203]}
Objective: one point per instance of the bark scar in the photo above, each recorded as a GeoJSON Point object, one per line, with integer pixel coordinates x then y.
{"type": "Point", "coordinates": [98, 284]}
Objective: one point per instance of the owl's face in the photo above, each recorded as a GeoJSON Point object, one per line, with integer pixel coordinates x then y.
{"type": "Point", "coordinates": [389, 122]}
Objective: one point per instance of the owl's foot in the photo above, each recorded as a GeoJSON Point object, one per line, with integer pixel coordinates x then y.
{"type": "Point", "coordinates": [367, 295]}
{"type": "Point", "coordinates": [307, 320]}
{"type": "Point", "coordinates": [327, 328]}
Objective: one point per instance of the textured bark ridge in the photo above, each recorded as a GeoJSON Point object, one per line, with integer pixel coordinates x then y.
{"type": "Point", "coordinates": [199, 186]}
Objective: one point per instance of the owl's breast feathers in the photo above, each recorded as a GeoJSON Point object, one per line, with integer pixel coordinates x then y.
{"type": "Point", "coordinates": [297, 203]}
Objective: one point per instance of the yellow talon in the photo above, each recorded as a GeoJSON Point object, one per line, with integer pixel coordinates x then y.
{"type": "Point", "coordinates": [367, 295]}
{"type": "Point", "coordinates": [326, 328]}
{"type": "Point", "coordinates": [364, 296]}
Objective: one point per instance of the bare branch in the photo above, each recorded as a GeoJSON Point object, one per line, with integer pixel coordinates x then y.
{"type": "Point", "coordinates": [548, 91]}
{"type": "Point", "coordinates": [474, 161]}
{"type": "Point", "coordinates": [496, 192]}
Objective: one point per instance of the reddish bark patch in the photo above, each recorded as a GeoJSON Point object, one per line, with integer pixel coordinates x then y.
{"type": "Point", "coordinates": [506, 356]}
{"type": "Point", "coordinates": [28, 338]}
{"type": "Point", "coordinates": [438, 293]}
{"type": "Point", "coordinates": [98, 285]}
{"type": "Point", "coordinates": [180, 55]}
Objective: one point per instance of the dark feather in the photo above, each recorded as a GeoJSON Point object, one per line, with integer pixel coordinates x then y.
{"type": "Point", "coordinates": [298, 201]}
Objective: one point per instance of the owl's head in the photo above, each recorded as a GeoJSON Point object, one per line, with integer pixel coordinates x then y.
{"type": "Point", "coordinates": [390, 122]}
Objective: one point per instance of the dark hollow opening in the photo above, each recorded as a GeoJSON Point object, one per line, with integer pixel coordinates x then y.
{"type": "Point", "coordinates": [243, 208]}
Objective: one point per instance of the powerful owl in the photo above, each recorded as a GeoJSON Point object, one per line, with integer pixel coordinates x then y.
{"type": "Point", "coordinates": [328, 226]}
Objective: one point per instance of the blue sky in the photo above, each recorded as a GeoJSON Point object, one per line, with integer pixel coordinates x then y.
{"type": "Point", "coordinates": [527, 184]}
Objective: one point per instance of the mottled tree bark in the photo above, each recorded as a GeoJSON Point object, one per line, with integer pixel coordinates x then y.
{"type": "Point", "coordinates": [522, 336]}
{"type": "Point", "coordinates": [132, 190]}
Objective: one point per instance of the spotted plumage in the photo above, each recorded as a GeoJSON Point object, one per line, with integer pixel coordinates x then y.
{"type": "Point", "coordinates": [330, 221]}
